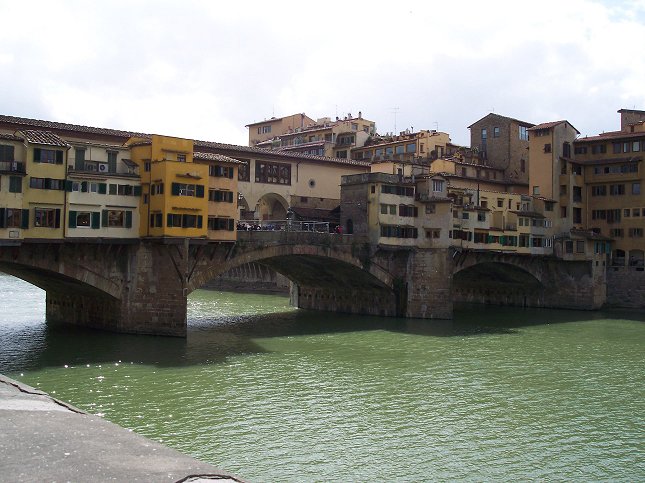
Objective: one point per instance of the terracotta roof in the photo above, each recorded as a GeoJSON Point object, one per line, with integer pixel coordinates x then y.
{"type": "Point", "coordinates": [43, 137]}
{"type": "Point", "coordinates": [610, 135]}
{"type": "Point", "coordinates": [274, 119]}
{"type": "Point", "coordinates": [285, 154]}
{"type": "Point", "coordinates": [609, 160]}
{"type": "Point", "coordinates": [197, 143]}
{"type": "Point", "coordinates": [216, 157]}
{"type": "Point", "coordinates": [11, 137]}
{"type": "Point", "coordinates": [67, 127]}
{"type": "Point", "coordinates": [524, 123]}
{"type": "Point", "coordinates": [548, 125]}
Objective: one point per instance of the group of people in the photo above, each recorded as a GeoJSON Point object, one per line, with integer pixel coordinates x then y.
{"type": "Point", "coordinates": [252, 225]}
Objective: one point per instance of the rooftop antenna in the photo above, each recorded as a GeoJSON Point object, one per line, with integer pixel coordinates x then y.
{"type": "Point", "coordinates": [395, 110]}
{"type": "Point", "coordinates": [436, 126]}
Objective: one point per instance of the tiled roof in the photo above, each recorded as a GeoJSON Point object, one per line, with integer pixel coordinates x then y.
{"type": "Point", "coordinates": [44, 137]}
{"type": "Point", "coordinates": [610, 135]}
{"type": "Point", "coordinates": [203, 144]}
{"type": "Point", "coordinates": [11, 137]}
{"type": "Point", "coordinates": [22, 121]}
{"type": "Point", "coordinates": [587, 162]}
{"type": "Point", "coordinates": [285, 154]}
{"type": "Point", "coordinates": [215, 157]}
{"type": "Point", "coordinates": [524, 123]}
{"type": "Point", "coordinates": [548, 125]}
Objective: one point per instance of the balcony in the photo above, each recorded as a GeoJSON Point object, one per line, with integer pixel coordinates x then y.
{"type": "Point", "coordinates": [17, 167]}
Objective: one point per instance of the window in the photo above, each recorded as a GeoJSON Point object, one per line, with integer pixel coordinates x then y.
{"type": "Point", "coordinates": [481, 216]}
{"type": "Point", "coordinates": [616, 148]}
{"type": "Point", "coordinates": [437, 185]}
{"type": "Point", "coordinates": [220, 196]}
{"type": "Point", "coordinates": [536, 192]}
{"type": "Point", "coordinates": [522, 165]}
{"type": "Point", "coordinates": [399, 231]}
{"type": "Point", "coordinates": [47, 217]}
{"type": "Point", "coordinates": [599, 149]}
{"type": "Point", "coordinates": [563, 212]}
{"type": "Point", "coordinates": [548, 205]}
{"type": "Point", "coordinates": [576, 169]}
{"type": "Point", "coordinates": [354, 126]}
{"type": "Point", "coordinates": [243, 172]}
{"type": "Point", "coordinates": [181, 158]}
{"type": "Point", "coordinates": [389, 150]}
{"type": "Point", "coordinates": [15, 184]}
{"type": "Point", "coordinates": [577, 215]}
{"type": "Point", "coordinates": [146, 166]}
{"type": "Point", "coordinates": [636, 146]}
{"type": "Point", "coordinates": [627, 147]}
{"type": "Point", "coordinates": [580, 246]}
{"type": "Point", "coordinates": [400, 149]}
{"type": "Point", "coordinates": [500, 202]}
{"type": "Point", "coordinates": [577, 193]}
{"type": "Point", "coordinates": [47, 183]}
{"type": "Point", "coordinates": [11, 217]}
{"type": "Point", "coordinates": [221, 171]}
{"type": "Point", "coordinates": [563, 189]}
{"type": "Point", "coordinates": [408, 211]}
{"type": "Point", "coordinates": [636, 212]}
{"type": "Point", "coordinates": [524, 133]}
{"type": "Point", "coordinates": [627, 213]}
{"type": "Point", "coordinates": [397, 190]}
{"type": "Point", "coordinates": [155, 189]}
{"type": "Point", "coordinates": [156, 220]}
{"type": "Point", "coordinates": [116, 218]}
{"type": "Point", "coordinates": [580, 150]}
{"type": "Point", "coordinates": [226, 224]}
{"type": "Point", "coordinates": [430, 208]}
{"type": "Point", "coordinates": [341, 154]}
{"type": "Point", "coordinates": [111, 158]}
{"type": "Point", "coordinates": [495, 132]}
{"type": "Point", "coordinates": [264, 129]}
{"type": "Point", "coordinates": [566, 150]}
{"type": "Point", "coordinates": [599, 190]}
{"type": "Point", "coordinates": [183, 189]}
{"type": "Point", "coordinates": [568, 246]}
{"type": "Point", "coordinates": [547, 148]}
{"type": "Point", "coordinates": [50, 156]}
{"type": "Point", "coordinates": [616, 233]}
{"type": "Point", "coordinates": [616, 189]}
{"type": "Point", "coordinates": [636, 232]}
{"type": "Point", "coordinates": [636, 188]}
{"type": "Point", "coordinates": [79, 159]}
{"type": "Point", "coordinates": [84, 219]}
{"type": "Point", "coordinates": [273, 173]}
{"type": "Point", "coordinates": [411, 148]}
{"type": "Point", "coordinates": [6, 152]}
{"type": "Point", "coordinates": [484, 135]}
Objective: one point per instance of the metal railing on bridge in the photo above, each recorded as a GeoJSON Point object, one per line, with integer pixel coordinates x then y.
{"type": "Point", "coordinates": [288, 225]}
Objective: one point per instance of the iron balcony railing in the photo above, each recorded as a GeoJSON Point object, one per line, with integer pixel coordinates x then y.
{"type": "Point", "coordinates": [12, 167]}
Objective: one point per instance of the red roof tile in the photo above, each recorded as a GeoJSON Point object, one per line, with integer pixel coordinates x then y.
{"type": "Point", "coordinates": [43, 137]}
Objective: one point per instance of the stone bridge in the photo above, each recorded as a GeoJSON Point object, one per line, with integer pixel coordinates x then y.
{"type": "Point", "coordinates": [141, 286]}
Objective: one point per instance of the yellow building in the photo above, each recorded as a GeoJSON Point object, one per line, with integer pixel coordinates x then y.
{"type": "Point", "coordinates": [13, 219]}
{"type": "Point", "coordinates": [174, 187]}
{"type": "Point", "coordinates": [276, 126]}
{"type": "Point", "coordinates": [44, 197]}
{"type": "Point", "coordinates": [407, 146]}
{"type": "Point", "coordinates": [222, 195]}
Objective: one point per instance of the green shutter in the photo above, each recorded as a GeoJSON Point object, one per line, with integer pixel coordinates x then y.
{"type": "Point", "coordinates": [102, 188]}
{"type": "Point", "coordinates": [199, 221]}
{"type": "Point", "coordinates": [69, 185]}
{"type": "Point", "coordinates": [175, 189]}
{"type": "Point", "coordinates": [112, 189]}
{"type": "Point", "coordinates": [104, 217]}
{"type": "Point", "coordinates": [3, 218]}
{"type": "Point", "coordinates": [57, 225]}
{"type": "Point", "coordinates": [199, 190]}
{"type": "Point", "coordinates": [72, 219]}
{"type": "Point", "coordinates": [137, 191]}
{"type": "Point", "coordinates": [25, 218]}
{"type": "Point", "coordinates": [169, 223]}
{"type": "Point", "coordinates": [96, 219]}
{"type": "Point", "coordinates": [36, 155]}
{"type": "Point", "coordinates": [128, 219]}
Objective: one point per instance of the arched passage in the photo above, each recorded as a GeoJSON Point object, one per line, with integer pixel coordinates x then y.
{"type": "Point", "coordinates": [497, 283]}
{"type": "Point", "coordinates": [272, 206]}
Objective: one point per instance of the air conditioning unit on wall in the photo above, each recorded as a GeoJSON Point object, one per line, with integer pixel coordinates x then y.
{"type": "Point", "coordinates": [103, 168]}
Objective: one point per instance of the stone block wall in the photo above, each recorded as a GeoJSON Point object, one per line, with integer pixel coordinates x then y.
{"type": "Point", "coordinates": [625, 287]}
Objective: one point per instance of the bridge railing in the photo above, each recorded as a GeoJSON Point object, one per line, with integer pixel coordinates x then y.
{"type": "Point", "coordinates": [285, 225]}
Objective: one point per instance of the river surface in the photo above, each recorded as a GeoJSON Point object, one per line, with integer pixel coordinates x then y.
{"type": "Point", "coordinates": [276, 394]}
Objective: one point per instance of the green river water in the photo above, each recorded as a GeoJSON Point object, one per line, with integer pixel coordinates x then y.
{"type": "Point", "coordinates": [276, 394]}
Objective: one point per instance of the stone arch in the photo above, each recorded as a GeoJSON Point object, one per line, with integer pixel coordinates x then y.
{"type": "Point", "coordinates": [324, 264]}
{"type": "Point", "coordinates": [271, 206]}
{"type": "Point", "coordinates": [636, 258]}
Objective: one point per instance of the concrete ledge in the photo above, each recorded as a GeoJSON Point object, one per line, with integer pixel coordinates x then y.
{"type": "Point", "coordinates": [44, 439]}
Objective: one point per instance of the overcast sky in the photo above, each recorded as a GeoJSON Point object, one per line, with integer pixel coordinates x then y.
{"type": "Point", "coordinates": [204, 69]}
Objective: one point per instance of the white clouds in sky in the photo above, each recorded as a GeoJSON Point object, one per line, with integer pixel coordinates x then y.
{"type": "Point", "coordinates": [204, 69]}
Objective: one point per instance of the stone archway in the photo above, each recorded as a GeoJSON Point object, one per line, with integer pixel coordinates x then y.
{"type": "Point", "coordinates": [271, 206]}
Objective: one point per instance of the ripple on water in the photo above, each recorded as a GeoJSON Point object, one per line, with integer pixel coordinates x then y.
{"type": "Point", "coordinates": [293, 396]}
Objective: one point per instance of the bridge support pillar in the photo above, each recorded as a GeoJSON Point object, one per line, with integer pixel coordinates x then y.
{"type": "Point", "coordinates": [426, 290]}
{"type": "Point", "coordinates": [152, 293]}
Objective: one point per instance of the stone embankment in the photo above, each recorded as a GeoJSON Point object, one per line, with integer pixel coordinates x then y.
{"type": "Point", "coordinates": [44, 439]}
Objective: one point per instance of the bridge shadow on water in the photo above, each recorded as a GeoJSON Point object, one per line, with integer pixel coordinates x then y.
{"type": "Point", "coordinates": [216, 341]}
